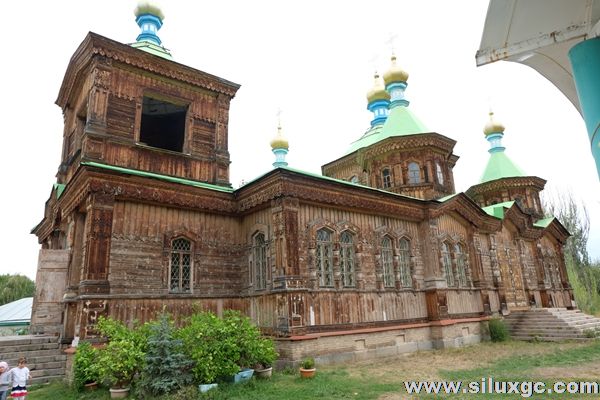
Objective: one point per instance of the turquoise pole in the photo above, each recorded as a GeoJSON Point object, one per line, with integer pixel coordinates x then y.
{"type": "Point", "coordinates": [585, 60]}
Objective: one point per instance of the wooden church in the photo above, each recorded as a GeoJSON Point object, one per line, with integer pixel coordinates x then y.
{"type": "Point", "coordinates": [376, 256]}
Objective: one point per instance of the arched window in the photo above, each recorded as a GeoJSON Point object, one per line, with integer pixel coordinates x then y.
{"type": "Point", "coordinates": [447, 264]}
{"type": "Point", "coordinates": [414, 173]}
{"type": "Point", "coordinates": [387, 254]}
{"type": "Point", "coordinates": [404, 263]}
{"type": "Point", "coordinates": [439, 173]}
{"type": "Point", "coordinates": [181, 271]}
{"type": "Point", "coordinates": [259, 255]}
{"type": "Point", "coordinates": [347, 259]}
{"type": "Point", "coordinates": [354, 179]}
{"type": "Point", "coordinates": [461, 267]}
{"type": "Point", "coordinates": [386, 178]}
{"type": "Point", "coordinates": [324, 258]}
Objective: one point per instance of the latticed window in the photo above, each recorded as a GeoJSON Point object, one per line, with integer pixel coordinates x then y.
{"type": "Point", "coordinates": [347, 259]}
{"type": "Point", "coordinates": [447, 264]}
{"type": "Point", "coordinates": [404, 263]}
{"type": "Point", "coordinates": [386, 178]}
{"type": "Point", "coordinates": [259, 254]}
{"type": "Point", "coordinates": [414, 173]}
{"type": "Point", "coordinates": [387, 254]}
{"type": "Point", "coordinates": [461, 265]}
{"type": "Point", "coordinates": [440, 174]}
{"type": "Point", "coordinates": [181, 271]}
{"type": "Point", "coordinates": [324, 258]}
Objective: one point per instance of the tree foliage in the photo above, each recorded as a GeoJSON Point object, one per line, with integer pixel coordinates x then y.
{"type": "Point", "coordinates": [167, 369]}
{"type": "Point", "coordinates": [15, 287]}
{"type": "Point", "coordinates": [584, 275]}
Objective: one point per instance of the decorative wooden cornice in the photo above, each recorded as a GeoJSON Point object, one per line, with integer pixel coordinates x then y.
{"type": "Point", "coordinates": [523, 222]}
{"type": "Point", "coordinates": [505, 183]}
{"type": "Point", "coordinates": [465, 207]}
{"type": "Point", "coordinates": [557, 230]}
{"type": "Point", "coordinates": [284, 182]}
{"type": "Point", "coordinates": [97, 45]}
{"type": "Point", "coordinates": [431, 140]}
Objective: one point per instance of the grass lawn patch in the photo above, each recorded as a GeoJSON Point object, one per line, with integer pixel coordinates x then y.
{"type": "Point", "coordinates": [384, 379]}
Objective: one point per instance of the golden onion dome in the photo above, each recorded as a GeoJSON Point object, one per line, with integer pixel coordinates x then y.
{"type": "Point", "coordinates": [378, 91]}
{"type": "Point", "coordinates": [279, 142]}
{"type": "Point", "coordinates": [395, 73]}
{"type": "Point", "coordinates": [493, 126]}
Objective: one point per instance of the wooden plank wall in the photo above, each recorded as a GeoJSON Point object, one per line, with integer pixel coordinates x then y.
{"type": "Point", "coordinates": [464, 301]}
{"type": "Point", "coordinates": [138, 260]}
{"type": "Point", "coordinates": [329, 308]}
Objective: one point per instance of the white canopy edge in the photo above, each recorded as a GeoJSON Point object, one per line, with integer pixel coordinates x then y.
{"type": "Point", "coordinates": [539, 34]}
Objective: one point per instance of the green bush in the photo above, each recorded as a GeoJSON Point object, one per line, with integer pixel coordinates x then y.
{"type": "Point", "coordinates": [124, 355]}
{"type": "Point", "coordinates": [498, 330]}
{"type": "Point", "coordinates": [308, 363]}
{"type": "Point", "coordinates": [212, 345]}
{"type": "Point", "coordinates": [85, 365]}
{"type": "Point", "coordinates": [221, 347]}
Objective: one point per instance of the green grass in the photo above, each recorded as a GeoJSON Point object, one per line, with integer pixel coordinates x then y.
{"type": "Point", "coordinates": [374, 380]}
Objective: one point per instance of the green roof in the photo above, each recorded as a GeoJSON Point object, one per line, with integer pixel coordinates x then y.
{"type": "Point", "coordinates": [60, 188]}
{"type": "Point", "coordinates": [167, 178]}
{"type": "Point", "coordinates": [497, 210]}
{"type": "Point", "coordinates": [152, 48]}
{"type": "Point", "coordinates": [328, 178]}
{"type": "Point", "coordinates": [446, 198]}
{"type": "Point", "coordinates": [400, 122]}
{"type": "Point", "coordinates": [500, 166]}
{"type": "Point", "coordinates": [543, 223]}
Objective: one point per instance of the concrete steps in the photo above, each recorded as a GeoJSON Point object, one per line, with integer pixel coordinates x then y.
{"type": "Point", "coordinates": [552, 324]}
{"type": "Point", "coordinates": [45, 359]}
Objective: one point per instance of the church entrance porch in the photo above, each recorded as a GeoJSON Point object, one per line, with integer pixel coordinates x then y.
{"type": "Point", "coordinates": [512, 278]}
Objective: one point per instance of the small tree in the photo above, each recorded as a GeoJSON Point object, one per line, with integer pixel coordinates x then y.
{"type": "Point", "coordinates": [123, 356]}
{"type": "Point", "coordinates": [498, 330]}
{"type": "Point", "coordinates": [85, 365]}
{"type": "Point", "coordinates": [212, 345]}
{"type": "Point", "coordinates": [167, 369]}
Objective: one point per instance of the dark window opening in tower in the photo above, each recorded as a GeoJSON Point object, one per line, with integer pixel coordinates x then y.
{"type": "Point", "coordinates": [163, 124]}
{"type": "Point", "coordinates": [387, 178]}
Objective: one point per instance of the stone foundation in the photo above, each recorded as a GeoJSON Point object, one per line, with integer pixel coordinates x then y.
{"type": "Point", "coordinates": [372, 343]}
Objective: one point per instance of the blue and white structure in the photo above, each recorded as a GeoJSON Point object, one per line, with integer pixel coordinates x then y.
{"type": "Point", "coordinates": [150, 19]}
{"type": "Point", "coordinates": [279, 147]}
{"type": "Point", "coordinates": [378, 101]}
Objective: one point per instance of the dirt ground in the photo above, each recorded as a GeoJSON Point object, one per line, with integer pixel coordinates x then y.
{"type": "Point", "coordinates": [425, 365]}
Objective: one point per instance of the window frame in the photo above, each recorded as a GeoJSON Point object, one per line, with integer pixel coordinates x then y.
{"type": "Point", "coordinates": [347, 259]}
{"type": "Point", "coordinates": [404, 263]}
{"type": "Point", "coordinates": [181, 253]}
{"type": "Point", "coordinates": [414, 173]}
{"type": "Point", "coordinates": [386, 178]}
{"type": "Point", "coordinates": [324, 258]}
{"type": "Point", "coordinates": [387, 262]}
{"type": "Point", "coordinates": [461, 265]}
{"type": "Point", "coordinates": [447, 264]}
{"type": "Point", "coordinates": [259, 265]}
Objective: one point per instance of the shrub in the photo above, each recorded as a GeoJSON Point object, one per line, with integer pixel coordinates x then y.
{"type": "Point", "coordinates": [212, 345]}
{"type": "Point", "coordinates": [498, 330]}
{"type": "Point", "coordinates": [264, 353]}
{"type": "Point", "coordinates": [308, 363]}
{"type": "Point", "coordinates": [167, 369]}
{"type": "Point", "coordinates": [85, 365]}
{"type": "Point", "coordinates": [124, 354]}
